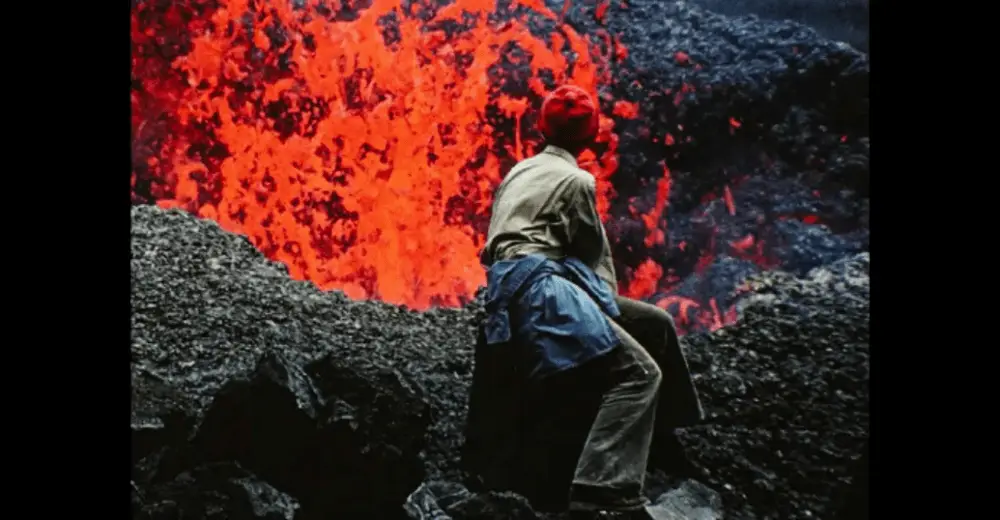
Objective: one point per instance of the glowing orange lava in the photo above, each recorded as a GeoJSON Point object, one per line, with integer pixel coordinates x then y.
{"type": "Point", "coordinates": [392, 134]}
{"type": "Point", "coordinates": [360, 144]}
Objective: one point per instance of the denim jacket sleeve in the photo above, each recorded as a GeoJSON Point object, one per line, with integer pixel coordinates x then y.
{"type": "Point", "coordinates": [504, 280]}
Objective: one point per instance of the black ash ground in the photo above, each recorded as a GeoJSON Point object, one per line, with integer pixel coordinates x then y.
{"type": "Point", "coordinates": [786, 389]}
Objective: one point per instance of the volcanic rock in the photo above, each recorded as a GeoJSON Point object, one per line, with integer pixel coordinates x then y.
{"type": "Point", "coordinates": [785, 392]}
{"type": "Point", "coordinates": [689, 501]}
{"type": "Point", "coordinates": [228, 367]}
{"type": "Point", "coordinates": [792, 94]}
{"type": "Point", "coordinates": [324, 398]}
{"type": "Point", "coordinates": [439, 500]}
{"type": "Point", "coordinates": [845, 20]}
{"type": "Point", "coordinates": [724, 99]}
{"type": "Point", "coordinates": [223, 491]}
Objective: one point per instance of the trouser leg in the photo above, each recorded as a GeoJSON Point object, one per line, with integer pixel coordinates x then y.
{"type": "Point", "coordinates": [612, 466]}
{"type": "Point", "coordinates": [654, 329]}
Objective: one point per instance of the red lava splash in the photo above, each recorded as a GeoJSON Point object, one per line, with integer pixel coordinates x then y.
{"type": "Point", "coordinates": [359, 161]}
{"type": "Point", "coordinates": [360, 144]}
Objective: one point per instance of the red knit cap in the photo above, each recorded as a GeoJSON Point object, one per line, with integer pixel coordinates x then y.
{"type": "Point", "coordinates": [570, 116]}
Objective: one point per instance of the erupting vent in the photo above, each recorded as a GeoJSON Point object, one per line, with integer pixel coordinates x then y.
{"type": "Point", "coordinates": [359, 142]}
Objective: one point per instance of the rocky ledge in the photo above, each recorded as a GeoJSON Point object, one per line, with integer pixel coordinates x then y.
{"type": "Point", "coordinates": [257, 396]}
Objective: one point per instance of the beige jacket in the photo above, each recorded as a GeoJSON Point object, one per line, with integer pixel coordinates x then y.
{"type": "Point", "coordinates": [548, 205]}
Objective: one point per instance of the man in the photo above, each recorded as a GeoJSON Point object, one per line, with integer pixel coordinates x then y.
{"type": "Point", "coordinates": [551, 288]}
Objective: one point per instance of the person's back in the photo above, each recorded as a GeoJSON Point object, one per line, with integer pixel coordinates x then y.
{"type": "Point", "coordinates": [545, 205]}
{"type": "Point", "coordinates": [551, 288]}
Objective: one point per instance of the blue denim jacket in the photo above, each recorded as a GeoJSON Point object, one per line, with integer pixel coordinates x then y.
{"type": "Point", "coordinates": [562, 308]}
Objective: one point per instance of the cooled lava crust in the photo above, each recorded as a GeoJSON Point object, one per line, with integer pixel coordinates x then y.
{"type": "Point", "coordinates": [346, 406]}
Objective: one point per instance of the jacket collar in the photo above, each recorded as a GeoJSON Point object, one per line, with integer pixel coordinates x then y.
{"type": "Point", "coordinates": [561, 153]}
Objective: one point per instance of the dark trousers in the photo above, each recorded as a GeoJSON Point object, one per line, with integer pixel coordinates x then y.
{"type": "Point", "coordinates": [611, 470]}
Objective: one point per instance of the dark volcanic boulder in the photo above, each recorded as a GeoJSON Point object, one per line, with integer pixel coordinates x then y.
{"type": "Point", "coordinates": [441, 500]}
{"type": "Point", "coordinates": [221, 491]}
{"type": "Point", "coordinates": [438, 500]}
{"type": "Point", "coordinates": [690, 500]}
{"type": "Point", "coordinates": [225, 369]}
{"type": "Point", "coordinates": [726, 90]}
{"type": "Point", "coordinates": [786, 393]}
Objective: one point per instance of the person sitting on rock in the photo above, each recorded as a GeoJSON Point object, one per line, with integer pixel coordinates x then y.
{"type": "Point", "coordinates": [551, 288]}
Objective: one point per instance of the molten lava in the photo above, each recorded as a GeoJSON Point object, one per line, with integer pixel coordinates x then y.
{"type": "Point", "coordinates": [359, 147]}
{"type": "Point", "coordinates": [360, 144]}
